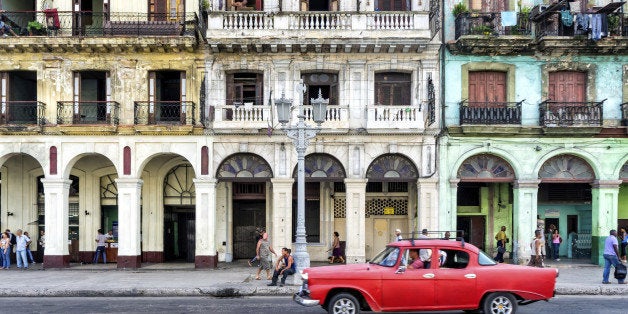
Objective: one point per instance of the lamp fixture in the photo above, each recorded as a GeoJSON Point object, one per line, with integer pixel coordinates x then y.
{"type": "Point", "coordinates": [86, 213]}
{"type": "Point", "coordinates": [9, 213]}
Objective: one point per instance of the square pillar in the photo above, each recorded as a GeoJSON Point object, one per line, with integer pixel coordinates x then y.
{"type": "Point", "coordinates": [129, 227]}
{"type": "Point", "coordinates": [206, 255]}
{"type": "Point", "coordinates": [427, 216]}
{"type": "Point", "coordinates": [604, 205]}
{"type": "Point", "coordinates": [448, 217]}
{"type": "Point", "coordinates": [525, 198]}
{"type": "Point", "coordinates": [355, 220]}
{"type": "Point", "coordinates": [56, 193]}
{"type": "Point", "coordinates": [281, 216]}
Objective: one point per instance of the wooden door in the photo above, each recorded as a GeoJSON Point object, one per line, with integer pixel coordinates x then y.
{"type": "Point", "coordinates": [493, 6]}
{"type": "Point", "coordinates": [487, 86]}
{"type": "Point", "coordinates": [158, 10]}
{"type": "Point", "coordinates": [567, 86]}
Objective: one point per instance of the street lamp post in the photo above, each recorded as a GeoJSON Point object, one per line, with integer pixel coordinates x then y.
{"type": "Point", "coordinates": [301, 134]}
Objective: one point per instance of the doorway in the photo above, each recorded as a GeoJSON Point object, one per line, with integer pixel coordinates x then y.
{"type": "Point", "coordinates": [247, 215]}
{"type": "Point", "coordinates": [474, 228]}
{"type": "Point", "coordinates": [179, 233]}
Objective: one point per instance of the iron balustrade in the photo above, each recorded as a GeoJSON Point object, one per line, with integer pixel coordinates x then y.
{"type": "Point", "coordinates": [96, 24]}
{"type": "Point", "coordinates": [23, 112]}
{"type": "Point", "coordinates": [551, 25]}
{"type": "Point", "coordinates": [88, 112]}
{"type": "Point", "coordinates": [490, 23]}
{"type": "Point", "coordinates": [624, 113]}
{"type": "Point", "coordinates": [165, 112]}
{"type": "Point", "coordinates": [558, 113]}
{"type": "Point", "coordinates": [490, 112]}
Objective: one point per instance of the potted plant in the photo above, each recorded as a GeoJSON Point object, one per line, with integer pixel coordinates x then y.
{"type": "Point", "coordinates": [460, 8]}
{"type": "Point", "coordinates": [35, 28]}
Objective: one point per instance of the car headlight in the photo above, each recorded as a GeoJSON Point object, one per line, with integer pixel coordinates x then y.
{"type": "Point", "coordinates": [304, 276]}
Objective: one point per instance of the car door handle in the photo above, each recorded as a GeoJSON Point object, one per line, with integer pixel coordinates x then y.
{"type": "Point", "coordinates": [429, 275]}
{"type": "Point", "coordinates": [470, 276]}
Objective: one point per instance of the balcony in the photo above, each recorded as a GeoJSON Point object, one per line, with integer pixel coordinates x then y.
{"type": "Point", "coordinates": [242, 116]}
{"type": "Point", "coordinates": [387, 118]}
{"type": "Point", "coordinates": [22, 116]}
{"type": "Point", "coordinates": [105, 31]}
{"type": "Point", "coordinates": [490, 113]}
{"type": "Point", "coordinates": [485, 33]}
{"type": "Point", "coordinates": [399, 31]}
{"type": "Point", "coordinates": [87, 112]}
{"type": "Point", "coordinates": [584, 115]}
{"type": "Point", "coordinates": [177, 117]}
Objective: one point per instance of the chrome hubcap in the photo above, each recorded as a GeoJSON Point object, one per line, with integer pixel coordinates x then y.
{"type": "Point", "coordinates": [501, 305]}
{"type": "Point", "coordinates": [344, 306]}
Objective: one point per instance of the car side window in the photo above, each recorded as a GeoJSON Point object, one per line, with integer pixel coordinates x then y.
{"type": "Point", "coordinates": [455, 259]}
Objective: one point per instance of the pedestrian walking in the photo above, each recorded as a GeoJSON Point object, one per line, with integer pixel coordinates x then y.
{"type": "Point", "coordinates": [258, 236]}
{"type": "Point", "coordinates": [398, 236]}
{"type": "Point", "coordinates": [41, 245]}
{"type": "Point", "coordinates": [623, 237]}
{"type": "Point", "coordinates": [556, 241]}
{"type": "Point", "coordinates": [5, 249]}
{"type": "Point", "coordinates": [20, 249]}
{"type": "Point", "coordinates": [285, 267]}
{"type": "Point", "coordinates": [611, 256]}
{"type": "Point", "coordinates": [538, 249]}
{"type": "Point", "coordinates": [101, 239]}
{"type": "Point", "coordinates": [29, 254]}
{"type": "Point", "coordinates": [263, 251]}
{"type": "Point", "coordinates": [336, 249]}
{"type": "Point", "coordinates": [502, 239]}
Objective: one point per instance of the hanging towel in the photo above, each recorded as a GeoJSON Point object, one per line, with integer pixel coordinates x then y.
{"type": "Point", "coordinates": [596, 27]}
{"type": "Point", "coordinates": [566, 17]}
{"type": "Point", "coordinates": [509, 18]}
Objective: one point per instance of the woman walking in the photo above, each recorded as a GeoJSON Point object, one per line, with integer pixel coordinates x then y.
{"type": "Point", "coordinates": [263, 256]}
{"type": "Point", "coordinates": [556, 240]}
{"type": "Point", "coordinates": [336, 249]}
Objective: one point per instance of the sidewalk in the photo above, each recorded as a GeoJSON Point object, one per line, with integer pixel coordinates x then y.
{"type": "Point", "coordinates": [228, 280]}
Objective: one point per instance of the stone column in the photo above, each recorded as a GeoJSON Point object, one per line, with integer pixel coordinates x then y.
{"type": "Point", "coordinates": [129, 217]}
{"type": "Point", "coordinates": [604, 207]}
{"type": "Point", "coordinates": [281, 215]}
{"type": "Point", "coordinates": [56, 193]}
{"type": "Point", "coordinates": [525, 194]}
{"type": "Point", "coordinates": [206, 255]}
{"type": "Point", "coordinates": [355, 220]}
{"type": "Point", "coordinates": [427, 216]}
{"type": "Point", "coordinates": [448, 217]}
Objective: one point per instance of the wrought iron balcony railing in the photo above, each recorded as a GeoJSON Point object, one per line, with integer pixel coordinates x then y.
{"type": "Point", "coordinates": [491, 23]}
{"type": "Point", "coordinates": [490, 112]}
{"type": "Point", "coordinates": [95, 24]}
{"type": "Point", "coordinates": [88, 112]}
{"type": "Point", "coordinates": [624, 114]}
{"type": "Point", "coordinates": [165, 112]}
{"type": "Point", "coordinates": [552, 25]}
{"type": "Point", "coordinates": [23, 112]}
{"type": "Point", "coordinates": [557, 114]}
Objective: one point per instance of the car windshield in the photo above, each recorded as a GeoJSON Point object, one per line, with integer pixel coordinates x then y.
{"type": "Point", "coordinates": [388, 257]}
{"type": "Point", "coordinates": [484, 259]}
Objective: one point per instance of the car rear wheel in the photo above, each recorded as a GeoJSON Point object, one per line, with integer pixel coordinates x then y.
{"type": "Point", "coordinates": [343, 303]}
{"type": "Point", "coordinates": [500, 303]}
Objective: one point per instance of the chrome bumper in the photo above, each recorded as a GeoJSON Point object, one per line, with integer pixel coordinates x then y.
{"type": "Point", "coordinates": [305, 301]}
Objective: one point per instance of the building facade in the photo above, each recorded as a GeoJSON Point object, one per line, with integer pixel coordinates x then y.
{"type": "Point", "coordinates": [156, 120]}
{"type": "Point", "coordinates": [535, 111]}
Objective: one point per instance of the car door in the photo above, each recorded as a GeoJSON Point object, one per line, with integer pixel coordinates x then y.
{"type": "Point", "coordinates": [455, 283]}
{"type": "Point", "coordinates": [412, 289]}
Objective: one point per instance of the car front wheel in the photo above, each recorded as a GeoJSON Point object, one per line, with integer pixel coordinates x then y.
{"type": "Point", "coordinates": [343, 303]}
{"type": "Point", "coordinates": [500, 303]}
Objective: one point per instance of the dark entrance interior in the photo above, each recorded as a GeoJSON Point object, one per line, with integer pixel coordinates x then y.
{"type": "Point", "coordinates": [179, 233]}
{"type": "Point", "coordinates": [168, 96]}
{"type": "Point", "coordinates": [20, 89]}
{"type": "Point", "coordinates": [247, 215]}
{"type": "Point", "coordinates": [319, 5]}
{"type": "Point", "coordinates": [93, 96]}
{"type": "Point", "coordinates": [474, 228]}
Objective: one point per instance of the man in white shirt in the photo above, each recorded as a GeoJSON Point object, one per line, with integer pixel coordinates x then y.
{"type": "Point", "coordinates": [20, 249]}
{"type": "Point", "coordinates": [100, 247]}
{"type": "Point", "coordinates": [611, 256]}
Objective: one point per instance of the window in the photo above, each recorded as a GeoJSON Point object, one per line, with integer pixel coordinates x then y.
{"type": "Point", "coordinates": [91, 94]}
{"type": "Point", "coordinates": [392, 5]}
{"type": "Point", "coordinates": [393, 89]}
{"type": "Point", "coordinates": [453, 259]}
{"type": "Point", "coordinates": [245, 89]}
{"type": "Point", "coordinates": [388, 257]}
{"type": "Point", "coordinates": [487, 86]}
{"type": "Point", "coordinates": [489, 5]}
{"type": "Point", "coordinates": [162, 10]}
{"type": "Point", "coordinates": [567, 86]}
{"type": "Point", "coordinates": [245, 5]}
{"type": "Point", "coordinates": [312, 212]}
{"type": "Point", "coordinates": [319, 5]}
{"type": "Point", "coordinates": [166, 93]}
{"type": "Point", "coordinates": [485, 260]}
{"type": "Point", "coordinates": [18, 97]}
{"type": "Point", "coordinates": [469, 194]}
{"type": "Point", "coordinates": [325, 83]}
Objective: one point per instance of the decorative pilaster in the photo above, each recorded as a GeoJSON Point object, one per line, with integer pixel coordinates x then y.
{"type": "Point", "coordinates": [206, 255]}
{"type": "Point", "coordinates": [525, 195]}
{"type": "Point", "coordinates": [427, 216]}
{"type": "Point", "coordinates": [356, 220]}
{"type": "Point", "coordinates": [448, 216]}
{"type": "Point", "coordinates": [281, 215]}
{"type": "Point", "coordinates": [129, 217]}
{"type": "Point", "coordinates": [56, 193]}
{"type": "Point", "coordinates": [604, 207]}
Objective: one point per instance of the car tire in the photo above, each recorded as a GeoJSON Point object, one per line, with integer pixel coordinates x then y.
{"type": "Point", "coordinates": [343, 303]}
{"type": "Point", "coordinates": [500, 303]}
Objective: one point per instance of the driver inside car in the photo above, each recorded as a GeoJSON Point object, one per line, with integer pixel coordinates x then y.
{"type": "Point", "coordinates": [416, 260]}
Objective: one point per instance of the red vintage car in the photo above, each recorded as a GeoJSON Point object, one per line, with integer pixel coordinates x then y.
{"type": "Point", "coordinates": [455, 276]}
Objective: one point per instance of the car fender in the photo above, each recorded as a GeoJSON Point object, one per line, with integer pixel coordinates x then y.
{"type": "Point", "coordinates": [330, 290]}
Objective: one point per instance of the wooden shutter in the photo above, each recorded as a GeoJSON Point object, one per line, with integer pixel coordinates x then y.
{"type": "Point", "coordinates": [152, 91]}
{"type": "Point", "coordinates": [76, 97]}
{"type": "Point", "coordinates": [158, 9]}
{"type": "Point", "coordinates": [183, 106]}
{"type": "Point", "coordinates": [487, 86]}
{"type": "Point", "coordinates": [108, 95]}
{"type": "Point", "coordinates": [4, 94]}
{"type": "Point", "coordinates": [230, 89]}
{"type": "Point", "coordinates": [567, 86]}
{"type": "Point", "coordinates": [259, 89]}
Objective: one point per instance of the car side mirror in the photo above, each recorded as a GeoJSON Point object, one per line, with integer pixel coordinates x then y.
{"type": "Point", "coordinates": [401, 270]}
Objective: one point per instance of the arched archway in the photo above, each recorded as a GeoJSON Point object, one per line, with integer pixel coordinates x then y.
{"type": "Point", "coordinates": [179, 197]}
{"type": "Point", "coordinates": [564, 203]}
{"type": "Point", "coordinates": [391, 199]}
{"type": "Point", "coordinates": [243, 178]}
{"type": "Point", "coordinates": [484, 199]}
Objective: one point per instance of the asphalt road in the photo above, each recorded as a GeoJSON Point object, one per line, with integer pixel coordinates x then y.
{"type": "Point", "coordinates": [258, 305]}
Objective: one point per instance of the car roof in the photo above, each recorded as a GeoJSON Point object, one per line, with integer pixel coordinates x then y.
{"type": "Point", "coordinates": [451, 244]}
